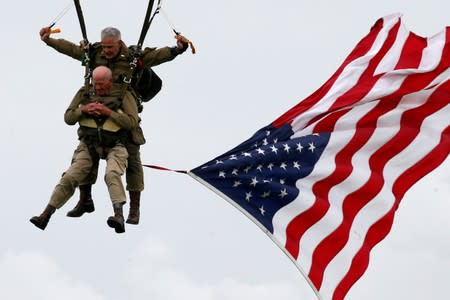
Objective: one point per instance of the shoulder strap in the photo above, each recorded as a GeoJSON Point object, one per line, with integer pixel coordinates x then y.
{"type": "Point", "coordinates": [93, 50]}
{"type": "Point", "coordinates": [136, 51]}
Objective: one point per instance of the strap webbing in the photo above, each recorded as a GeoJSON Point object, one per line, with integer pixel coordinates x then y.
{"type": "Point", "coordinates": [87, 72]}
{"type": "Point", "coordinates": [81, 19]}
{"type": "Point", "coordinates": [136, 54]}
{"type": "Point", "coordinates": [146, 24]}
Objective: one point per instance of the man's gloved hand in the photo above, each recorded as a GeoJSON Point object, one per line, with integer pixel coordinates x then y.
{"type": "Point", "coordinates": [45, 34]}
{"type": "Point", "coordinates": [182, 43]}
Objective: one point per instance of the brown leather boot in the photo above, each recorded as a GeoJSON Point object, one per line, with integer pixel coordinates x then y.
{"type": "Point", "coordinates": [85, 204]}
{"type": "Point", "coordinates": [41, 221]}
{"type": "Point", "coordinates": [117, 221]}
{"type": "Point", "coordinates": [133, 214]}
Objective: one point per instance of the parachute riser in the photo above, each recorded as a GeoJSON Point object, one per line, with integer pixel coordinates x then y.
{"type": "Point", "coordinates": [148, 21]}
{"type": "Point", "coordinates": [86, 60]}
{"type": "Point", "coordinates": [138, 49]}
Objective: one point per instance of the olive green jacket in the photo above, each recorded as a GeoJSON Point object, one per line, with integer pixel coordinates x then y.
{"type": "Point", "coordinates": [119, 65]}
{"type": "Point", "coordinates": [73, 113]}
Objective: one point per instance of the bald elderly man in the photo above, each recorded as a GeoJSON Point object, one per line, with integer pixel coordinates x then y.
{"type": "Point", "coordinates": [105, 122]}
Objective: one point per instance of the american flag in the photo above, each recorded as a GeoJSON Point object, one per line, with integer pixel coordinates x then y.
{"type": "Point", "coordinates": [324, 180]}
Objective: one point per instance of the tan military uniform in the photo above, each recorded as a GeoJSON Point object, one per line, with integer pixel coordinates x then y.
{"type": "Point", "coordinates": [120, 66]}
{"type": "Point", "coordinates": [106, 140]}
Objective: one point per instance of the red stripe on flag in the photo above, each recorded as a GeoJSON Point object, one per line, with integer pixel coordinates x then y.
{"type": "Point", "coordinates": [365, 128]}
{"type": "Point", "coordinates": [381, 228]}
{"type": "Point", "coordinates": [360, 50]}
{"type": "Point", "coordinates": [412, 52]}
{"type": "Point", "coordinates": [411, 127]}
{"type": "Point", "coordinates": [368, 78]}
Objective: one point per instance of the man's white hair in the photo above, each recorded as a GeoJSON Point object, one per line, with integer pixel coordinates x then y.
{"type": "Point", "coordinates": [111, 32]}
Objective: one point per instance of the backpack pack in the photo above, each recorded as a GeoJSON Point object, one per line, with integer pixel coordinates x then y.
{"type": "Point", "coordinates": [147, 85]}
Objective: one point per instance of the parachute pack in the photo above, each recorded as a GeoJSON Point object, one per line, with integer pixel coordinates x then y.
{"type": "Point", "coordinates": [147, 85]}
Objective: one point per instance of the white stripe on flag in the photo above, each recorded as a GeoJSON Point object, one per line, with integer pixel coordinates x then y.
{"type": "Point", "coordinates": [384, 201]}
{"type": "Point", "coordinates": [392, 57]}
{"type": "Point", "coordinates": [387, 127]}
{"type": "Point", "coordinates": [432, 54]}
{"type": "Point", "coordinates": [324, 167]}
{"type": "Point", "coordinates": [347, 80]}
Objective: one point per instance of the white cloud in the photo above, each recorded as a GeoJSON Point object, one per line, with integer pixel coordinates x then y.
{"type": "Point", "coordinates": [33, 276]}
{"type": "Point", "coordinates": [153, 275]}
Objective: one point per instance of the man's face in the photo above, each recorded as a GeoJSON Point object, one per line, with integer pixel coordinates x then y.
{"type": "Point", "coordinates": [111, 47]}
{"type": "Point", "coordinates": [101, 86]}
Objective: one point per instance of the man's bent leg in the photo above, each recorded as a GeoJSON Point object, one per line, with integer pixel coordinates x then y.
{"type": "Point", "coordinates": [78, 170]}
{"type": "Point", "coordinates": [81, 164]}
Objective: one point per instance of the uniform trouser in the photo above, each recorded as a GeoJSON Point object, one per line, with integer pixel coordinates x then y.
{"type": "Point", "coordinates": [134, 172]}
{"type": "Point", "coordinates": [116, 163]}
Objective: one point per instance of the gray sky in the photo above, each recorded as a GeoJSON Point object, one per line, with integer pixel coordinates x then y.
{"type": "Point", "coordinates": [255, 60]}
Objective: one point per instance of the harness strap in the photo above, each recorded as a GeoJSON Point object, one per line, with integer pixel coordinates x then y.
{"type": "Point", "coordinates": [129, 76]}
{"type": "Point", "coordinates": [148, 21]}
{"type": "Point", "coordinates": [137, 51]}
{"type": "Point", "coordinates": [100, 137]}
{"type": "Point", "coordinates": [86, 59]}
{"type": "Point", "coordinates": [136, 55]}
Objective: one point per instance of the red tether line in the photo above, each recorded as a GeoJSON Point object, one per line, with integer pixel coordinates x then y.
{"type": "Point", "coordinates": [165, 169]}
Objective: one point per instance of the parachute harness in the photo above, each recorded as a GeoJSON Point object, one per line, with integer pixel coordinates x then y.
{"type": "Point", "coordinates": [86, 47]}
{"type": "Point", "coordinates": [136, 52]}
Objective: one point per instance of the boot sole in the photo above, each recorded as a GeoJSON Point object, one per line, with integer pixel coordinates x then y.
{"type": "Point", "coordinates": [133, 217]}
{"type": "Point", "coordinates": [79, 215]}
{"type": "Point", "coordinates": [118, 227]}
{"type": "Point", "coordinates": [133, 222]}
{"type": "Point", "coordinates": [38, 224]}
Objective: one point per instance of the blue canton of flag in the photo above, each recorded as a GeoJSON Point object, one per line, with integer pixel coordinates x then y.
{"type": "Point", "coordinates": [260, 174]}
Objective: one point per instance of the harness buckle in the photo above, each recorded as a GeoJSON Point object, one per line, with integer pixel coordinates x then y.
{"type": "Point", "coordinates": [133, 63]}
{"type": "Point", "coordinates": [127, 81]}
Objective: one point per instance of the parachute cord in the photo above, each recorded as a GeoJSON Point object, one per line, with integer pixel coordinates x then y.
{"type": "Point", "coordinates": [60, 15]}
{"type": "Point", "coordinates": [177, 33]}
{"type": "Point", "coordinates": [158, 8]}
{"type": "Point", "coordinates": [169, 22]}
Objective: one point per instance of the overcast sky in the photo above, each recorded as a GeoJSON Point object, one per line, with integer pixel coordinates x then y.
{"type": "Point", "coordinates": [254, 61]}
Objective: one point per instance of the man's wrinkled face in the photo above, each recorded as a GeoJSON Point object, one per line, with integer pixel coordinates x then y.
{"type": "Point", "coordinates": [111, 47]}
{"type": "Point", "coordinates": [101, 86]}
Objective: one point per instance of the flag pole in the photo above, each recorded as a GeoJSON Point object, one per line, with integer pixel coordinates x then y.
{"type": "Point", "coordinates": [222, 195]}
